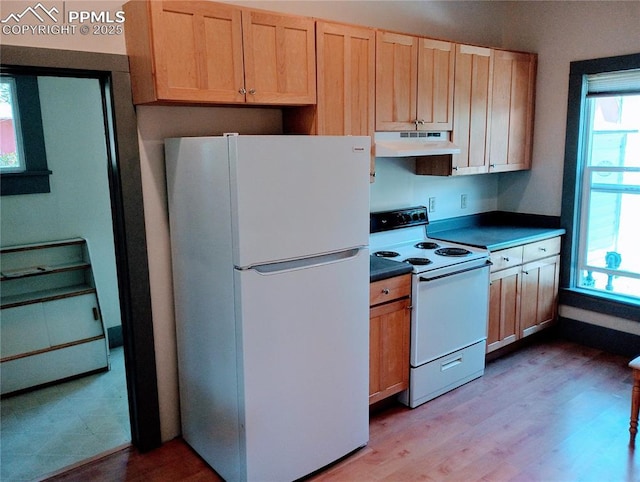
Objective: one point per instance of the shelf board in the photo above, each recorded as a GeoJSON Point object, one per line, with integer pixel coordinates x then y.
{"type": "Point", "coordinates": [42, 270]}
{"type": "Point", "coordinates": [46, 295]}
{"type": "Point", "coordinates": [51, 244]}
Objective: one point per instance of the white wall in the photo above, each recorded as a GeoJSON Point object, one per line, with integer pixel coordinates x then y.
{"type": "Point", "coordinates": [79, 202]}
{"type": "Point", "coordinates": [558, 31]}
{"type": "Point", "coordinates": [397, 186]}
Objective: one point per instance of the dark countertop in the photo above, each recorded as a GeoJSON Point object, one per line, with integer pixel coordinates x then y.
{"type": "Point", "coordinates": [496, 230]}
{"type": "Point", "coordinates": [381, 268]}
{"type": "Point", "coordinates": [497, 237]}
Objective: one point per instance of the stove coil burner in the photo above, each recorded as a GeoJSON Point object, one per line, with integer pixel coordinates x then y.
{"type": "Point", "coordinates": [386, 254]}
{"type": "Point", "coordinates": [427, 245]}
{"type": "Point", "coordinates": [452, 252]}
{"type": "Point", "coordinates": [418, 261]}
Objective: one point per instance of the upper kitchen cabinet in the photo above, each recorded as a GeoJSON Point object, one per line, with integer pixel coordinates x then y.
{"type": "Point", "coordinates": [346, 79]}
{"type": "Point", "coordinates": [396, 81]}
{"type": "Point", "coordinates": [512, 106]}
{"type": "Point", "coordinates": [436, 60]}
{"type": "Point", "coordinates": [279, 58]}
{"type": "Point", "coordinates": [472, 102]}
{"type": "Point", "coordinates": [205, 52]}
{"type": "Point", "coordinates": [414, 83]}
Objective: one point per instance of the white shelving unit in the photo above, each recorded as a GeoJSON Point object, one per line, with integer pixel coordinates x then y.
{"type": "Point", "coordinates": [51, 326]}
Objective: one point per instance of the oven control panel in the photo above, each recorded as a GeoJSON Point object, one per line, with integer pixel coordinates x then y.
{"type": "Point", "coordinates": [400, 218]}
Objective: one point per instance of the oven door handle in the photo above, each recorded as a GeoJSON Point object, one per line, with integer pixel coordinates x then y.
{"type": "Point", "coordinates": [488, 263]}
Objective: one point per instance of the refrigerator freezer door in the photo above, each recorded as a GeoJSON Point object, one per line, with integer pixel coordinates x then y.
{"type": "Point", "coordinates": [298, 196]}
{"type": "Point", "coordinates": [304, 334]}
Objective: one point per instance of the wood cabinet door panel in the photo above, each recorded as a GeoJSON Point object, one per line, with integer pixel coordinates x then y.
{"type": "Point", "coordinates": [471, 109]}
{"type": "Point", "coordinates": [396, 81]}
{"type": "Point", "coordinates": [198, 51]}
{"type": "Point", "coordinates": [279, 58]}
{"type": "Point", "coordinates": [346, 79]}
{"type": "Point", "coordinates": [512, 104]}
{"type": "Point", "coordinates": [539, 294]}
{"type": "Point", "coordinates": [504, 308]}
{"type": "Point", "coordinates": [389, 349]}
{"type": "Point", "coordinates": [436, 61]}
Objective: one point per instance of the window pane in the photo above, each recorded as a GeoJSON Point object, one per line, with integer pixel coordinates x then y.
{"type": "Point", "coordinates": [10, 157]}
{"type": "Point", "coordinates": [615, 132]}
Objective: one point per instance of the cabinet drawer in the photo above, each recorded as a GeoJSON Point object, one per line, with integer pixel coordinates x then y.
{"type": "Point", "coordinates": [389, 289]}
{"type": "Point", "coordinates": [541, 249]}
{"type": "Point", "coordinates": [506, 258]}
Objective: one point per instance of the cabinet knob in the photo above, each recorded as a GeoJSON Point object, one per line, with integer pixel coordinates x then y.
{"type": "Point", "coordinates": [544, 250]}
{"type": "Point", "coordinates": [454, 168]}
{"type": "Point", "coordinates": [525, 272]}
{"type": "Point", "coordinates": [492, 166]}
{"type": "Point", "coordinates": [385, 291]}
{"type": "Point", "coordinates": [242, 91]}
{"type": "Point", "coordinates": [252, 91]}
{"type": "Point", "coordinates": [506, 258]}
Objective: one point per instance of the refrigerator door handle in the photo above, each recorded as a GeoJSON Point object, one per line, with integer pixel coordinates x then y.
{"type": "Point", "coordinates": [303, 263]}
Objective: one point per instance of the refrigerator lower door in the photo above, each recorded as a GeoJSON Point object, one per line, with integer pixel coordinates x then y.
{"type": "Point", "coordinates": [303, 332]}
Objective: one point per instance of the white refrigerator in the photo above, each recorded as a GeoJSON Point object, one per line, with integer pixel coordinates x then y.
{"type": "Point", "coordinates": [270, 261]}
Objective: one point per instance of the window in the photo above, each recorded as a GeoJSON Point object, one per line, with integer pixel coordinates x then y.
{"type": "Point", "coordinates": [23, 160]}
{"type": "Point", "coordinates": [11, 154]}
{"type": "Point", "coordinates": [601, 192]}
{"type": "Point", "coordinates": [609, 254]}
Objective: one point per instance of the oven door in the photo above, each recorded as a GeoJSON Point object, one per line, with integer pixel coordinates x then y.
{"type": "Point", "coordinates": [450, 310]}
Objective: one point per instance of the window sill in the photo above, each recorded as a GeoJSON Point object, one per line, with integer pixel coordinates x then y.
{"type": "Point", "coordinates": [26, 182]}
{"type": "Point", "coordinates": [607, 304]}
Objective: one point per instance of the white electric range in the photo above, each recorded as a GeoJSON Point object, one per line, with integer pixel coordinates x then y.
{"type": "Point", "coordinates": [450, 302]}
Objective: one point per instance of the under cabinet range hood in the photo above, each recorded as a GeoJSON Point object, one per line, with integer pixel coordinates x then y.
{"type": "Point", "coordinates": [413, 144]}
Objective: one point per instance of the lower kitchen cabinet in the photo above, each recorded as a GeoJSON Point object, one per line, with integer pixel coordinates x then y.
{"type": "Point", "coordinates": [389, 321]}
{"type": "Point", "coordinates": [524, 291]}
{"type": "Point", "coordinates": [51, 327]}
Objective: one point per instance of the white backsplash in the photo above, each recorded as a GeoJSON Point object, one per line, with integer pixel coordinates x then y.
{"type": "Point", "coordinates": [398, 186]}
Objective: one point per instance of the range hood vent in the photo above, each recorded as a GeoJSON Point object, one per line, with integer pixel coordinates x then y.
{"type": "Point", "coordinates": [413, 144]}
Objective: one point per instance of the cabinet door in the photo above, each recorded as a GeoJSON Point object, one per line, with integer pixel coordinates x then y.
{"type": "Point", "coordinates": [279, 58]}
{"type": "Point", "coordinates": [504, 308]}
{"type": "Point", "coordinates": [539, 294]}
{"type": "Point", "coordinates": [436, 61]}
{"type": "Point", "coordinates": [198, 51]}
{"type": "Point", "coordinates": [471, 109]}
{"type": "Point", "coordinates": [346, 79]}
{"type": "Point", "coordinates": [73, 319]}
{"type": "Point", "coordinates": [396, 81]}
{"type": "Point", "coordinates": [22, 330]}
{"type": "Point", "coordinates": [389, 349]}
{"type": "Point", "coordinates": [512, 104]}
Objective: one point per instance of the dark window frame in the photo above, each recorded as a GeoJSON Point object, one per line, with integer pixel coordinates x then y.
{"type": "Point", "coordinates": [34, 179]}
{"type": "Point", "coordinates": [570, 294]}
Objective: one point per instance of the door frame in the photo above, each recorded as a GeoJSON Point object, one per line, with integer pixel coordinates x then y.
{"type": "Point", "coordinates": [125, 183]}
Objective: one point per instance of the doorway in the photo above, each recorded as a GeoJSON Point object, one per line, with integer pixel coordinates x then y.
{"type": "Point", "coordinates": [109, 75]}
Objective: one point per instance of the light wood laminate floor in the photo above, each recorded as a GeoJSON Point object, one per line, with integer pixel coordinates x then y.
{"type": "Point", "coordinates": [553, 411]}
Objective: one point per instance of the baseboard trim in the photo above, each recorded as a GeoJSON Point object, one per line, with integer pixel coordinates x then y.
{"type": "Point", "coordinates": [607, 339]}
{"type": "Point", "coordinates": [115, 336]}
